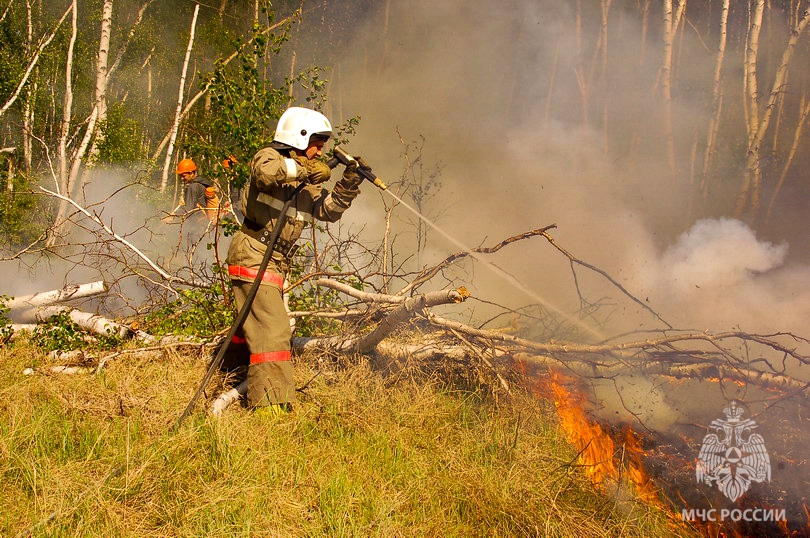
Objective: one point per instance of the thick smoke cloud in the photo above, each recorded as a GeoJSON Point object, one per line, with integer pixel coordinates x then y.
{"type": "Point", "coordinates": [495, 90]}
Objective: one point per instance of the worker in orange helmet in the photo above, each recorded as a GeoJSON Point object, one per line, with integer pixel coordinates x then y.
{"type": "Point", "coordinates": [200, 197]}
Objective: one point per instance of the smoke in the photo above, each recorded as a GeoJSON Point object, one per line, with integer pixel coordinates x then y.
{"type": "Point", "coordinates": [497, 94]}
{"type": "Point", "coordinates": [133, 212]}
{"type": "Point", "coordinates": [719, 275]}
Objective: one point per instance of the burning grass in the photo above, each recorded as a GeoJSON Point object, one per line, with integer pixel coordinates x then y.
{"type": "Point", "coordinates": [361, 455]}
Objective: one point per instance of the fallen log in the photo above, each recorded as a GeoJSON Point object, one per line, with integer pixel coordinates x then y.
{"type": "Point", "coordinates": [76, 291]}
{"type": "Point", "coordinates": [87, 321]}
{"type": "Point", "coordinates": [225, 399]}
{"type": "Point", "coordinates": [408, 307]}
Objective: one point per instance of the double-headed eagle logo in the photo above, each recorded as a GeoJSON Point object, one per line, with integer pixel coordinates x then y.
{"type": "Point", "coordinates": [733, 462]}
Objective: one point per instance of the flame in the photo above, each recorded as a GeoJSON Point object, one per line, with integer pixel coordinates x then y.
{"type": "Point", "coordinates": [598, 451]}
{"type": "Point", "coordinates": [596, 448]}
{"type": "Point", "coordinates": [807, 515]}
{"type": "Point", "coordinates": [726, 380]}
{"type": "Point", "coordinates": [611, 460]}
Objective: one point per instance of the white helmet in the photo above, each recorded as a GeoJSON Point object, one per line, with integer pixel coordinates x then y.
{"type": "Point", "coordinates": [297, 124]}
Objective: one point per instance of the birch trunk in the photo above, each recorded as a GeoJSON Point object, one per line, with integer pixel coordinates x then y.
{"type": "Point", "coordinates": [67, 111]}
{"type": "Point", "coordinates": [173, 133]}
{"type": "Point", "coordinates": [33, 63]}
{"type": "Point", "coordinates": [717, 99]}
{"type": "Point", "coordinates": [645, 15]}
{"type": "Point", "coordinates": [797, 136]}
{"type": "Point", "coordinates": [28, 112]}
{"type": "Point", "coordinates": [672, 20]}
{"type": "Point", "coordinates": [751, 187]}
{"type": "Point", "coordinates": [77, 291]}
{"type": "Point", "coordinates": [87, 321]}
{"type": "Point", "coordinates": [102, 77]}
{"type": "Point", "coordinates": [605, 5]}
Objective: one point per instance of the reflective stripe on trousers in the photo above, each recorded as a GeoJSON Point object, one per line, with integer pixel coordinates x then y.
{"type": "Point", "coordinates": [267, 276]}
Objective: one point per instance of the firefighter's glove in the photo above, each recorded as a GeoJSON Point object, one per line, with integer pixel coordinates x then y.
{"type": "Point", "coordinates": [317, 171]}
{"type": "Point", "coordinates": [350, 176]}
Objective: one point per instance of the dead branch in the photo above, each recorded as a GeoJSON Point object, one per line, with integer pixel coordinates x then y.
{"type": "Point", "coordinates": [587, 265]}
{"type": "Point", "coordinates": [430, 272]}
{"type": "Point", "coordinates": [357, 294]}
{"type": "Point", "coordinates": [227, 398]}
{"type": "Point", "coordinates": [407, 310]}
{"type": "Point", "coordinates": [118, 238]}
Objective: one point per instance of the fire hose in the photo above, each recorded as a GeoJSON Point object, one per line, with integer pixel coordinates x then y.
{"type": "Point", "coordinates": [340, 157]}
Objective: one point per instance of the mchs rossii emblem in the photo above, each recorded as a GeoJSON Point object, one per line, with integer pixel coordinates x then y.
{"type": "Point", "coordinates": [734, 461]}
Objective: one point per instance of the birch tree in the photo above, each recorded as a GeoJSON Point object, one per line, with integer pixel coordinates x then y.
{"type": "Point", "coordinates": [173, 133]}
{"type": "Point", "coordinates": [672, 20]}
{"type": "Point", "coordinates": [717, 98]}
{"type": "Point", "coordinates": [102, 75]}
{"type": "Point", "coordinates": [750, 192]}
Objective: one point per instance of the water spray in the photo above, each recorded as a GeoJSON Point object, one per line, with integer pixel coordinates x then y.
{"type": "Point", "coordinates": [342, 157]}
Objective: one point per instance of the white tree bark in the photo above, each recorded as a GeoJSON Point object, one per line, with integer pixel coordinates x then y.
{"type": "Point", "coordinates": [37, 55]}
{"type": "Point", "coordinates": [63, 186]}
{"type": "Point", "coordinates": [753, 172]}
{"type": "Point", "coordinates": [87, 321]}
{"type": "Point", "coordinates": [751, 52]}
{"type": "Point", "coordinates": [717, 97]}
{"type": "Point", "coordinates": [173, 133]}
{"type": "Point", "coordinates": [672, 21]}
{"type": "Point", "coordinates": [804, 113]}
{"type": "Point", "coordinates": [102, 76]}
{"type": "Point", "coordinates": [77, 291]}
{"type": "Point", "coordinates": [225, 399]}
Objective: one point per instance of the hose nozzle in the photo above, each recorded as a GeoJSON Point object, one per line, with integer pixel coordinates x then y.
{"type": "Point", "coordinates": [347, 160]}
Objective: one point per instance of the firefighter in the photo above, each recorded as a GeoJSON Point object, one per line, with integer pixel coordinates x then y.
{"type": "Point", "coordinates": [293, 157]}
{"type": "Point", "coordinates": [200, 199]}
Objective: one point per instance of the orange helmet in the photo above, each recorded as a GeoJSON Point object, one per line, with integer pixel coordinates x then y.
{"type": "Point", "coordinates": [186, 165]}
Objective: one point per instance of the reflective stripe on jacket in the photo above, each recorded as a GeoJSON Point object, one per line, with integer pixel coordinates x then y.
{"type": "Point", "coordinates": [274, 175]}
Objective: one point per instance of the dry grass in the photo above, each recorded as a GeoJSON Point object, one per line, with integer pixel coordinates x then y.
{"type": "Point", "coordinates": [361, 455]}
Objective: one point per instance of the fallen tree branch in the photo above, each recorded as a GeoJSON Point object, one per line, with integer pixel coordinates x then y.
{"type": "Point", "coordinates": [357, 294]}
{"type": "Point", "coordinates": [407, 310]}
{"type": "Point", "coordinates": [587, 265]}
{"type": "Point", "coordinates": [226, 399]}
{"type": "Point", "coordinates": [87, 321]}
{"type": "Point", "coordinates": [76, 291]}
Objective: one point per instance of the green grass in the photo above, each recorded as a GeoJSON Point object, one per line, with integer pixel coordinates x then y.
{"type": "Point", "coordinates": [361, 455]}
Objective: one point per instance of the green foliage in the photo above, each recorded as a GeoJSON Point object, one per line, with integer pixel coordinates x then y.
{"type": "Point", "coordinates": [244, 108]}
{"type": "Point", "coordinates": [5, 323]}
{"type": "Point", "coordinates": [62, 334]}
{"type": "Point", "coordinates": [198, 312]}
{"type": "Point", "coordinates": [20, 211]}
{"type": "Point", "coordinates": [59, 333]}
{"type": "Point", "coordinates": [121, 137]}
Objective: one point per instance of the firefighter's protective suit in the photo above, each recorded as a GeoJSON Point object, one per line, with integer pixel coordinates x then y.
{"type": "Point", "coordinates": [265, 335]}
